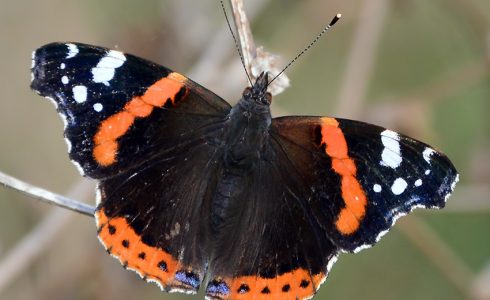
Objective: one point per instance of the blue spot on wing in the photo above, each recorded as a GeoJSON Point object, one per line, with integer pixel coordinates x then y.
{"type": "Point", "coordinates": [218, 288]}
{"type": "Point", "coordinates": [188, 278]}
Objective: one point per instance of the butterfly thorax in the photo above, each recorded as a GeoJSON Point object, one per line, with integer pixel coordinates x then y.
{"type": "Point", "coordinates": [244, 146]}
{"type": "Point", "coordinates": [248, 127]}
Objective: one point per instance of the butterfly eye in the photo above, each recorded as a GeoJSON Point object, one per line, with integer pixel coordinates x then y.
{"type": "Point", "coordinates": [268, 97]}
{"type": "Point", "coordinates": [247, 92]}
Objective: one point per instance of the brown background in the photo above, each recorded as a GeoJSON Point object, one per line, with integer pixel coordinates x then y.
{"type": "Point", "coordinates": [423, 70]}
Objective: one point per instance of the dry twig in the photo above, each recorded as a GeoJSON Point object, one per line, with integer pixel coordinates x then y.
{"type": "Point", "coordinates": [45, 195]}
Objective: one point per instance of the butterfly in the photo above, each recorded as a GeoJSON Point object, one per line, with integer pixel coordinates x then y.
{"type": "Point", "coordinates": [194, 192]}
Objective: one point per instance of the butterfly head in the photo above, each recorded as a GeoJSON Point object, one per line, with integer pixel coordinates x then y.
{"type": "Point", "coordinates": [258, 92]}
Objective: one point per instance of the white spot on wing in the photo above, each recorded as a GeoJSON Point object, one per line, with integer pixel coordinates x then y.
{"type": "Point", "coordinates": [418, 182]}
{"type": "Point", "coordinates": [80, 93]}
{"type": "Point", "coordinates": [397, 215]}
{"type": "Point", "coordinates": [33, 59]}
{"type": "Point", "coordinates": [106, 68]}
{"type": "Point", "coordinates": [427, 172]}
{"type": "Point", "coordinates": [65, 120]}
{"type": "Point", "coordinates": [62, 66]}
{"type": "Point", "coordinates": [79, 168]}
{"type": "Point", "coordinates": [64, 80]}
{"type": "Point", "coordinates": [65, 125]}
{"type": "Point", "coordinates": [33, 64]}
{"type": "Point", "coordinates": [72, 50]}
{"type": "Point", "coordinates": [390, 156]}
{"type": "Point", "coordinates": [399, 186]}
{"type": "Point", "coordinates": [181, 290]}
{"type": "Point", "coordinates": [98, 195]}
{"type": "Point", "coordinates": [453, 184]}
{"type": "Point", "coordinates": [377, 188]}
{"type": "Point", "coordinates": [362, 247]}
{"type": "Point", "coordinates": [331, 262]}
{"type": "Point", "coordinates": [98, 107]}
{"type": "Point", "coordinates": [173, 233]}
{"type": "Point", "coordinates": [52, 101]}
{"type": "Point", "coordinates": [427, 154]}
{"type": "Point", "coordinates": [68, 144]}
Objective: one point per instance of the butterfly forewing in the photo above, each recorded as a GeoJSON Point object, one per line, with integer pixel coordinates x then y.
{"type": "Point", "coordinates": [381, 175]}
{"type": "Point", "coordinates": [120, 110]}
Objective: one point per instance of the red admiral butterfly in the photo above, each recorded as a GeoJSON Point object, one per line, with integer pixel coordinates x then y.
{"type": "Point", "coordinates": [192, 190]}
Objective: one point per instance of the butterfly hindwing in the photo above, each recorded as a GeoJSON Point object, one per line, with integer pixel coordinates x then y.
{"type": "Point", "coordinates": [272, 247]}
{"type": "Point", "coordinates": [119, 110]}
{"type": "Point", "coordinates": [151, 219]}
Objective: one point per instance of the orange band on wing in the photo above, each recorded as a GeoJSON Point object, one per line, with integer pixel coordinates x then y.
{"type": "Point", "coordinates": [348, 220]}
{"type": "Point", "coordinates": [288, 286]}
{"type": "Point", "coordinates": [151, 263]}
{"type": "Point", "coordinates": [112, 128]}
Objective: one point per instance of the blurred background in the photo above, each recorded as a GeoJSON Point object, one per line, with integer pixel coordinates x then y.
{"type": "Point", "coordinates": [415, 66]}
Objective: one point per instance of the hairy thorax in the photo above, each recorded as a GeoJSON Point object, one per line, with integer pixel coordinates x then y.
{"type": "Point", "coordinates": [242, 148]}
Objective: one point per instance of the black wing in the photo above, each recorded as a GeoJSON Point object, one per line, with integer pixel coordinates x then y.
{"type": "Point", "coordinates": [381, 175]}
{"type": "Point", "coordinates": [152, 219]}
{"type": "Point", "coordinates": [271, 246]}
{"type": "Point", "coordinates": [110, 101]}
{"type": "Point", "coordinates": [148, 135]}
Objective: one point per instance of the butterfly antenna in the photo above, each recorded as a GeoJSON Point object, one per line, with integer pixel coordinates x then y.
{"type": "Point", "coordinates": [236, 43]}
{"type": "Point", "coordinates": [330, 25]}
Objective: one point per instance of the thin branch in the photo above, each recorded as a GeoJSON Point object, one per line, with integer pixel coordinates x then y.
{"type": "Point", "coordinates": [255, 59]}
{"type": "Point", "coordinates": [245, 37]}
{"type": "Point", "coordinates": [45, 195]}
{"type": "Point", "coordinates": [237, 44]}
{"type": "Point", "coordinates": [218, 49]}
